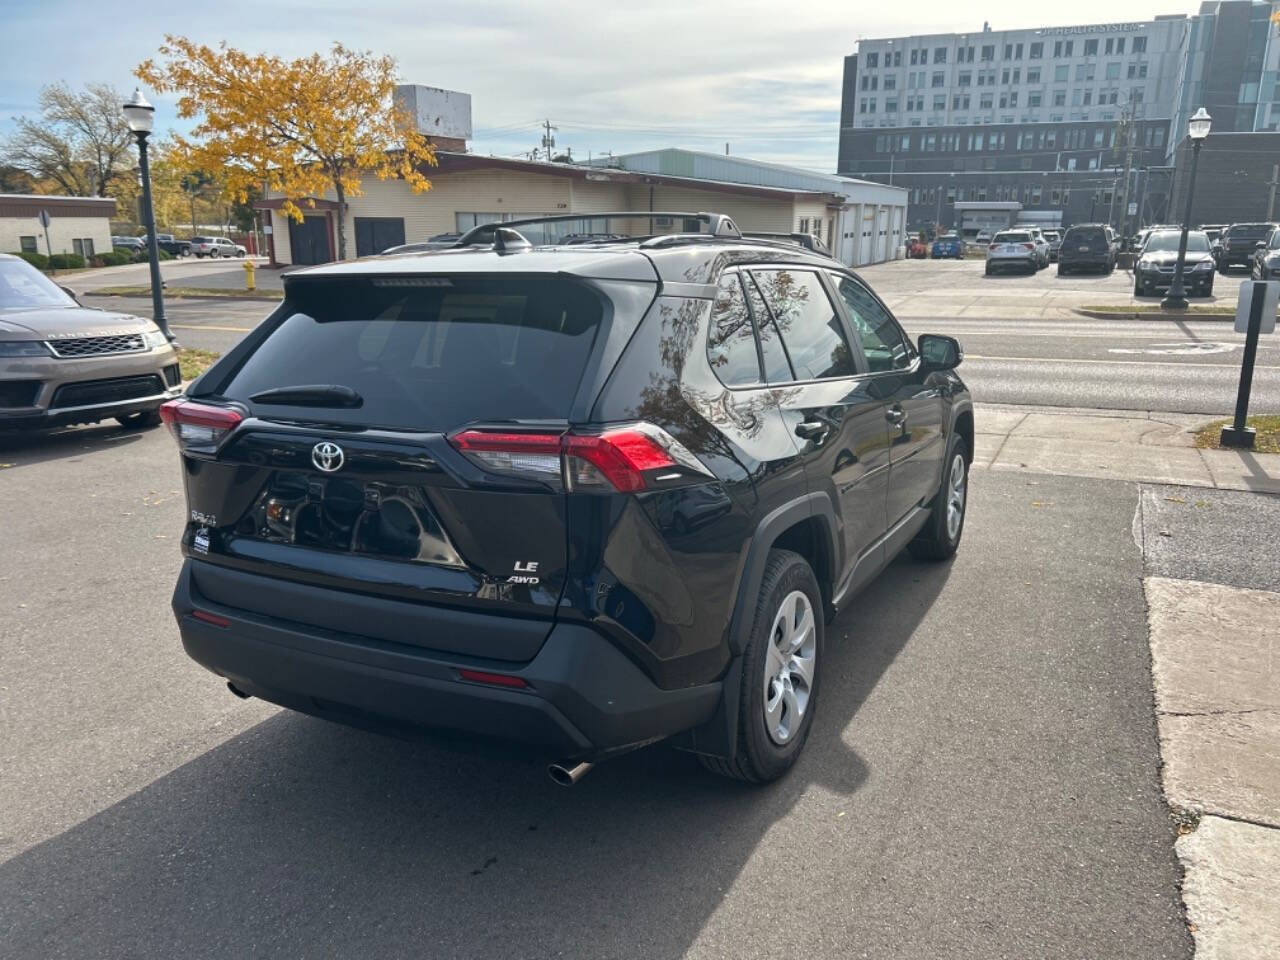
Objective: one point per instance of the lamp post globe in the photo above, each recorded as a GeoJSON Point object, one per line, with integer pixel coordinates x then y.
{"type": "Point", "coordinates": [140, 116]}
{"type": "Point", "coordinates": [1197, 130]}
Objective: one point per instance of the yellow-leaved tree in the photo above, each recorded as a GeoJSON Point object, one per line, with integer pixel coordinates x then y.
{"type": "Point", "coordinates": [298, 127]}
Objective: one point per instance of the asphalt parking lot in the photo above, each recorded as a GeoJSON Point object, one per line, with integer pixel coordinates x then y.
{"type": "Point", "coordinates": [981, 781]}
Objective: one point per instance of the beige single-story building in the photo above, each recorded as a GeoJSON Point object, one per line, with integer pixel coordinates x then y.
{"type": "Point", "coordinates": [468, 190]}
{"type": "Point", "coordinates": [76, 224]}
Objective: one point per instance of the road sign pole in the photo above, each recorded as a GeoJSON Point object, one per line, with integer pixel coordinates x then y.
{"type": "Point", "coordinates": [1239, 435]}
{"type": "Point", "coordinates": [44, 222]}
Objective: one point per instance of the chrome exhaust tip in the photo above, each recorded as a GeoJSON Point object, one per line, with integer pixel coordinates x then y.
{"type": "Point", "coordinates": [567, 774]}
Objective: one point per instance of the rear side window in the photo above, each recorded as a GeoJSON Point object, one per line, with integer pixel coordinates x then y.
{"type": "Point", "coordinates": [428, 357]}
{"type": "Point", "coordinates": [731, 343]}
{"type": "Point", "coordinates": [809, 324]}
{"type": "Point", "coordinates": [777, 368]}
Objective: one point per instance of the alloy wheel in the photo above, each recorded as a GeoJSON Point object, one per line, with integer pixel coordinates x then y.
{"type": "Point", "coordinates": [957, 488]}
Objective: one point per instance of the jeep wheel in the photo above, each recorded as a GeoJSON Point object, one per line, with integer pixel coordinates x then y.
{"type": "Point", "coordinates": [940, 536]}
{"type": "Point", "coordinates": [780, 673]}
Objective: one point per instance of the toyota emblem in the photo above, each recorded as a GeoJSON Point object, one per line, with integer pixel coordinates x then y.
{"type": "Point", "coordinates": [327, 456]}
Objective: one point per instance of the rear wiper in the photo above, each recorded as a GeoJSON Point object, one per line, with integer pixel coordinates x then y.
{"type": "Point", "coordinates": [310, 395]}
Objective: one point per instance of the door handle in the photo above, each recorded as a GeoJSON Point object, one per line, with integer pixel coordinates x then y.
{"type": "Point", "coordinates": [812, 430]}
{"type": "Point", "coordinates": [896, 415]}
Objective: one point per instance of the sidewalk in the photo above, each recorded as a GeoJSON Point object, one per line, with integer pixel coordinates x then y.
{"type": "Point", "coordinates": [1115, 445]}
{"type": "Point", "coordinates": [1215, 646]}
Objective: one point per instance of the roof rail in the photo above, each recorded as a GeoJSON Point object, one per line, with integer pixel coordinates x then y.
{"type": "Point", "coordinates": [718, 225]}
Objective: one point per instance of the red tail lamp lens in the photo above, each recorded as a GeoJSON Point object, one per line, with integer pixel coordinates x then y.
{"type": "Point", "coordinates": [621, 457]}
{"type": "Point", "coordinates": [198, 424]}
{"type": "Point", "coordinates": [212, 618]}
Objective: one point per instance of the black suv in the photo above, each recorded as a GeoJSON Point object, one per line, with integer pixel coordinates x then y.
{"type": "Point", "coordinates": [1240, 243]}
{"type": "Point", "coordinates": [1086, 246]}
{"type": "Point", "coordinates": [583, 497]}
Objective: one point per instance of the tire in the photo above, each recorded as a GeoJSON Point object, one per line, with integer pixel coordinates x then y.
{"type": "Point", "coordinates": [1224, 269]}
{"type": "Point", "coordinates": [142, 420]}
{"type": "Point", "coordinates": [988, 269]}
{"type": "Point", "coordinates": [1138, 289]}
{"type": "Point", "coordinates": [940, 536]}
{"type": "Point", "coordinates": [1063, 271]}
{"type": "Point", "coordinates": [767, 750]}
{"type": "Point", "coordinates": [215, 253]}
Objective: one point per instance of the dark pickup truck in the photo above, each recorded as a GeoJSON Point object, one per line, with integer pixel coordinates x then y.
{"type": "Point", "coordinates": [171, 244]}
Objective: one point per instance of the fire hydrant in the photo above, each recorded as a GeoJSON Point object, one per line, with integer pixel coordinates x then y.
{"type": "Point", "coordinates": [248, 274]}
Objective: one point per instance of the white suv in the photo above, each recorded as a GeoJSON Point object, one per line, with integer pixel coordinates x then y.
{"type": "Point", "coordinates": [1042, 243]}
{"type": "Point", "coordinates": [216, 247]}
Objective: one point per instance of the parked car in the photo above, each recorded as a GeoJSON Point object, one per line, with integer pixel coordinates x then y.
{"type": "Point", "coordinates": [806, 240]}
{"type": "Point", "coordinates": [517, 505]}
{"type": "Point", "coordinates": [1054, 237]}
{"type": "Point", "coordinates": [948, 246]}
{"type": "Point", "coordinates": [216, 247]}
{"type": "Point", "coordinates": [1014, 249]}
{"type": "Point", "coordinates": [1155, 267]}
{"type": "Point", "coordinates": [1266, 259]}
{"type": "Point", "coordinates": [171, 244]}
{"type": "Point", "coordinates": [1086, 246]}
{"type": "Point", "coordinates": [130, 245]}
{"type": "Point", "coordinates": [982, 238]}
{"type": "Point", "coordinates": [1240, 242]}
{"type": "Point", "coordinates": [1113, 239]}
{"type": "Point", "coordinates": [1214, 232]}
{"type": "Point", "coordinates": [441, 241]}
{"type": "Point", "coordinates": [1042, 244]}
{"type": "Point", "coordinates": [61, 363]}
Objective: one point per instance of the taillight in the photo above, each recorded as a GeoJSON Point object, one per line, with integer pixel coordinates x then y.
{"type": "Point", "coordinates": [993, 246]}
{"type": "Point", "coordinates": [198, 426]}
{"type": "Point", "coordinates": [626, 458]}
{"type": "Point", "coordinates": [1029, 246]}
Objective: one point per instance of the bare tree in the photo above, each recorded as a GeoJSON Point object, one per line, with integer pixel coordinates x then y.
{"type": "Point", "coordinates": [80, 142]}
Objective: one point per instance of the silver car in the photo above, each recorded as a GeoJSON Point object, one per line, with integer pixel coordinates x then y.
{"type": "Point", "coordinates": [216, 247]}
{"type": "Point", "coordinates": [61, 363]}
{"type": "Point", "coordinates": [1013, 249]}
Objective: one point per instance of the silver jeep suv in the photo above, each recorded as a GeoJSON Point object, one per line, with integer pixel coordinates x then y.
{"type": "Point", "coordinates": [61, 363]}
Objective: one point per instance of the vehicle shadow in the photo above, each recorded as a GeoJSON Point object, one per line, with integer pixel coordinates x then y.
{"type": "Point", "coordinates": [300, 838]}
{"type": "Point", "coordinates": [25, 449]}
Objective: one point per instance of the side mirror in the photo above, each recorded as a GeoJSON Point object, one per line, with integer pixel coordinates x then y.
{"type": "Point", "coordinates": [940, 353]}
{"type": "Point", "coordinates": [1260, 245]}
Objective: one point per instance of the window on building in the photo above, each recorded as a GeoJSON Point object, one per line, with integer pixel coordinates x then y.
{"type": "Point", "coordinates": [951, 194]}
{"type": "Point", "coordinates": [929, 143]}
{"type": "Point", "coordinates": [27, 244]}
{"type": "Point", "coordinates": [1017, 75]}
{"type": "Point", "coordinates": [890, 82]}
{"type": "Point", "coordinates": [988, 52]}
{"type": "Point", "coordinates": [1033, 75]}
{"type": "Point", "coordinates": [1004, 75]}
{"type": "Point", "coordinates": [1036, 51]}
{"type": "Point", "coordinates": [1057, 48]}
{"type": "Point", "coordinates": [871, 105]}
{"type": "Point", "coordinates": [1084, 72]}
{"type": "Point", "coordinates": [1120, 45]}
{"type": "Point", "coordinates": [1088, 99]}
{"type": "Point", "coordinates": [906, 142]}
{"type": "Point", "coordinates": [897, 58]}
{"type": "Point", "coordinates": [1017, 51]}
{"type": "Point", "coordinates": [891, 106]}
{"type": "Point", "coordinates": [1068, 47]}
{"type": "Point", "coordinates": [1091, 48]}
{"type": "Point", "coordinates": [77, 247]}
{"type": "Point", "coordinates": [1113, 96]}
{"type": "Point", "coordinates": [1051, 140]}
{"type": "Point", "coordinates": [1113, 71]}
{"type": "Point", "coordinates": [1099, 136]}
{"type": "Point", "coordinates": [985, 101]}
{"type": "Point", "coordinates": [939, 79]}
{"type": "Point", "coordinates": [1139, 45]}
{"type": "Point", "coordinates": [1055, 197]}
{"type": "Point", "coordinates": [1037, 195]}
{"type": "Point", "coordinates": [862, 105]}
{"type": "Point", "coordinates": [964, 79]}
{"type": "Point", "coordinates": [1033, 100]}
{"type": "Point", "coordinates": [1062, 73]}
{"type": "Point", "coordinates": [875, 83]}
{"type": "Point", "coordinates": [1075, 97]}
{"type": "Point", "coordinates": [1159, 142]}
{"type": "Point", "coordinates": [1008, 51]}
{"type": "Point", "coordinates": [1110, 47]}
{"type": "Point", "coordinates": [1013, 98]}
{"type": "Point", "coordinates": [940, 55]}
{"type": "Point", "coordinates": [940, 102]}
{"type": "Point", "coordinates": [873, 60]}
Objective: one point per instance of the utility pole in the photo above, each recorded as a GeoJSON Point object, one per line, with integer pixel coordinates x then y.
{"type": "Point", "coordinates": [1126, 131]}
{"type": "Point", "coordinates": [548, 141]}
{"type": "Point", "coordinates": [1272, 183]}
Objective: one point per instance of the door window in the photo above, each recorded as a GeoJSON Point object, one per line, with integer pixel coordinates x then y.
{"type": "Point", "coordinates": [731, 344]}
{"type": "Point", "coordinates": [808, 323]}
{"type": "Point", "coordinates": [777, 368]}
{"type": "Point", "coordinates": [883, 342]}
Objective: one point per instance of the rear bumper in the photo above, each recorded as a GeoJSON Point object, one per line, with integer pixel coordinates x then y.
{"type": "Point", "coordinates": [584, 697]}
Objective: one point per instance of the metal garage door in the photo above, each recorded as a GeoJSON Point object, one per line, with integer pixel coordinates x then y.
{"type": "Point", "coordinates": [375, 234]}
{"type": "Point", "coordinates": [309, 240]}
{"type": "Point", "coordinates": [867, 246]}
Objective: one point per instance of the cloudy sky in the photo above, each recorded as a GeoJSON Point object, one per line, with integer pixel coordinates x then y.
{"type": "Point", "coordinates": [762, 76]}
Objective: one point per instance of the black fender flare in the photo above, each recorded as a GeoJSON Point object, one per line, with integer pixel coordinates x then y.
{"type": "Point", "coordinates": [718, 736]}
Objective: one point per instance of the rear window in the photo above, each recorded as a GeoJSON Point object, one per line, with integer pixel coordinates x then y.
{"type": "Point", "coordinates": [428, 357]}
{"type": "Point", "coordinates": [1249, 231]}
{"type": "Point", "coordinates": [1013, 238]}
{"type": "Point", "coordinates": [202, 240]}
{"type": "Point", "coordinates": [1084, 235]}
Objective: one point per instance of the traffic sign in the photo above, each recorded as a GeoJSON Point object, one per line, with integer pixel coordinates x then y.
{"type": "Point", "coordinates": [1133, 208]}
{"type": "Point", "coordinates": [44, 218]}
{"type": "Point", "coordinates": [1270, 302]}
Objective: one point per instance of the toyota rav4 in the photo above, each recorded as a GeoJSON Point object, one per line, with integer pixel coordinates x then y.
{"type": "Point", "coordinates": [585, 497]}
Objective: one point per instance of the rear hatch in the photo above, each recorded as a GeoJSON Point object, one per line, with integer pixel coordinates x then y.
{"type": "Point", "coordinates": [334, 455]}
{"type": "Point", "coordinates": [1245, 237]}
{"type": "Point", "coordinates": [1085, 243]}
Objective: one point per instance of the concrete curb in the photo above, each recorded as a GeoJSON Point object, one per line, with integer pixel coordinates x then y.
{"type": "Point", "coordinates": [1154, 317]}
{"type": "Point", "coordinates": [185, 296]}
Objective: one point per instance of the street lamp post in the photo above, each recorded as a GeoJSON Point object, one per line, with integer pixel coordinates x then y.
{"type": "Point", "coordinates": [140, 116]}
{"type": "Point", "coordinates": [1198, 129]}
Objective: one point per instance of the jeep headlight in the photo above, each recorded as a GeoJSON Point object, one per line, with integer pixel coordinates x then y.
{"type": "Point", "coordinates": [1146, 264]}
{"type": "Point", "coordinates": [23, 348]}
{"type": "Point", "coordinates": [154, 338]}
{"type": "Point", "coordinates": [1203, 265]}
